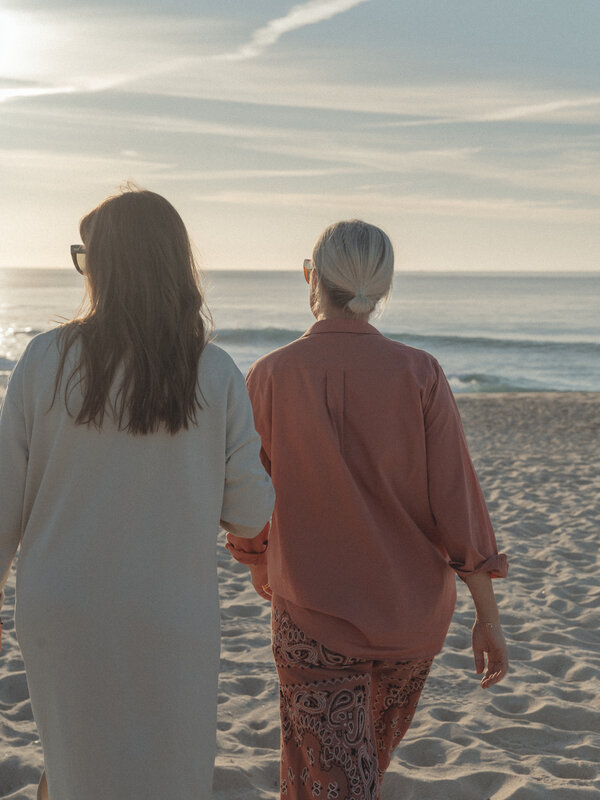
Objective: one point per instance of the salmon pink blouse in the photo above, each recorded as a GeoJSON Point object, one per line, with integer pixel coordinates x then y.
{"type": "Point", "coordinates": [377, 503]}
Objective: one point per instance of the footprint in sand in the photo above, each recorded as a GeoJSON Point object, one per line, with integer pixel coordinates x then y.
{"type": "Point", "coordinates": [13, 688]}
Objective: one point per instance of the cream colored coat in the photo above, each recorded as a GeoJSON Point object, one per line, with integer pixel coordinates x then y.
{"type": "Point", "coordinates": [117, 604]}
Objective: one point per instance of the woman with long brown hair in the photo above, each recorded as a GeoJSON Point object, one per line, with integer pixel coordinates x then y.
{"type": "Point", "coordinates": [126, 440]}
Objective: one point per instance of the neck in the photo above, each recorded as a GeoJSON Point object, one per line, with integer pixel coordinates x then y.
{"type": "Point", "coordinates": [322, 308]}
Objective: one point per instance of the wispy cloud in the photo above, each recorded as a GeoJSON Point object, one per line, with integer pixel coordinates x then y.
{"type": "Point", "coordinates": [49, 168]}
{"type": "Point", "coordinates": [559, 165]}
{"type": "Point", "coordinates": [220, 108]}
{"type": "Point", "coordinates": [550, 108]}
{"type": "Point", "coordinates": [288, 83]}
{"type": "Point", "coordinates": [487, 101]}
{"type": "Point", "coordinates": [55, 48]}
{"type": "Point", "coordinates": [13, 92]}
{"type": "Point", "coordinates": [223, 175]}
{"type": "Point", "coordinates": [511, 208]}
{"type": "Point", "coordinates": [298, 17]}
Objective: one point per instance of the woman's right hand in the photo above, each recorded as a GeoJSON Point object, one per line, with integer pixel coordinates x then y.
{"type": "Point", "coordinates": [260, 580]}
{"type": "Point", "coordinates": [488, 639]}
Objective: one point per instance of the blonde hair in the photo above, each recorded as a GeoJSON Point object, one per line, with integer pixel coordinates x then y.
{"type": "Point", "coordinates": [354, 262]}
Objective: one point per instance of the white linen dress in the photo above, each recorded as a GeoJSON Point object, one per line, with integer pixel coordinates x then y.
{"type": "Point", "coordinates": [117, 607]}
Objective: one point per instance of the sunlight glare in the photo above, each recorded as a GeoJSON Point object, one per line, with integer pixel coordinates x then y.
{"type": "Point", "coordinates": [20, 37]}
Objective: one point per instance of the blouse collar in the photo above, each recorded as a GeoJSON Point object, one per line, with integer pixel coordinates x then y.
{"type": "Point", "coordinates": [341, 325]}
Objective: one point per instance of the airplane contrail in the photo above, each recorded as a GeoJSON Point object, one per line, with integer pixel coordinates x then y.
{"type": "Point", "coordinates": [297, 17]}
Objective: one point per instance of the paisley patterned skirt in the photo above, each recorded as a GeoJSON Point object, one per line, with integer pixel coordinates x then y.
{"type": "Point", "coordinates": [341, 717]}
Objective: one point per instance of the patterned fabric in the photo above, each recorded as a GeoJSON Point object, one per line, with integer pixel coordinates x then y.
{"type": "Point", "coordinates": [341, 717]}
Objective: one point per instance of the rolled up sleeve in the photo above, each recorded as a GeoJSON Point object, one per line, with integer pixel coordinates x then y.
{"type": "Point", "coordinates": [463, 525]}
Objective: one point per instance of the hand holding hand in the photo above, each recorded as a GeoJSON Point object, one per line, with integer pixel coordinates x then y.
{"type": "Point", "coordinates": [260, 581]}
{"type": "Point", "coordinates": [488, 638]}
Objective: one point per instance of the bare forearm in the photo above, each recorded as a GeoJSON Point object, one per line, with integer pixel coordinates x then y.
{"type": "Point", "coordinates": [482, 592]}
{"type": "Point", "coordinates": [487, 637]}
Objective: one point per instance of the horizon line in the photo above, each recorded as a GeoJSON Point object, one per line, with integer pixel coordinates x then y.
{"type": "Point", "coordinates": [398, 271]}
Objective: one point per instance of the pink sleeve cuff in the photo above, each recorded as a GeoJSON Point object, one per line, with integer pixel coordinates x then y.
{"type": "Point", "coordinates": [249, 551]}
{"type": "Point", "coordinates": [496, 566]}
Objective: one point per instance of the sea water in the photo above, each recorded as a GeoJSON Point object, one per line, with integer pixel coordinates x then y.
{"type": "Point", "coordinates": [500, 332]}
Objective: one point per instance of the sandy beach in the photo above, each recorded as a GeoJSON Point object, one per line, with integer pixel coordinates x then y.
{"type": "Point", "coordinates": [535, 736]}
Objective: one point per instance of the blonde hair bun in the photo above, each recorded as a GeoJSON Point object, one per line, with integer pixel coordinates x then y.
{"type": "Point", "coordinates": [361, 304]}
{"type": "Point", "coordinates": [354, 261]}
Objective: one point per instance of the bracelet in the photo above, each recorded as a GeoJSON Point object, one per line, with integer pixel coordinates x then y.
{"type": "Point", "coordinates": [489, 624]}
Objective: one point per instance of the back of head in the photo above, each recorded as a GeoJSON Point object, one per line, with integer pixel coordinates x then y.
{"type": "Point", "coordinates": [354, 262]}
{"type": "Point", "coordinates": [139, 257]}
{"type": "Point", "coordinates": [147, 319]}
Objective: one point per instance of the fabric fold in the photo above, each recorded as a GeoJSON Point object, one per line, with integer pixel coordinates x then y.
{"type": "Point", "coordinates": [496, 566]}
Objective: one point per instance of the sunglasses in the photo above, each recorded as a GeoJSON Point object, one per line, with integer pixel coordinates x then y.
{"type": "Point", "coordinates": [78, 256]}
{"type": "Point", "coordinates": [308, 267]}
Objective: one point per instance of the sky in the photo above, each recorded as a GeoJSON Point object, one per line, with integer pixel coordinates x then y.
{"type": "Point", "coordinates": [469, 130]}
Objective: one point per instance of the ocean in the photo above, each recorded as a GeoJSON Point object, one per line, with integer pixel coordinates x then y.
{"type": "Point", "coordinates": [500, 332]}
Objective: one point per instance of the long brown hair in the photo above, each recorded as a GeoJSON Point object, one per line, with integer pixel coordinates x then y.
{"type": "Point", "coordinates": [147, 323]}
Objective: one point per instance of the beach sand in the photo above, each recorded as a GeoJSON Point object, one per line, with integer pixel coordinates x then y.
{"type": "Point", "coordinates": [535, 736]}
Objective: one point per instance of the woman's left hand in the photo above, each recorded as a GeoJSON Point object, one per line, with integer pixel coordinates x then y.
{"type": "Point", "coordinates": [488, 639]}
{"type": "Point", "coordinates": [260, 581]}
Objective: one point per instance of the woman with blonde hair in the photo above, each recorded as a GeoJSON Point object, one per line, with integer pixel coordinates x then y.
{"type": "Point", "coordinates": [378, 509]}
{"type": "Point", "coordinates": [126, 440]}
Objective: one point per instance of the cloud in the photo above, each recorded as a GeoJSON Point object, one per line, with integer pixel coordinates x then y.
{"type": "Point", "coordinates": [540, 165]}
{"type": "Point", "coordinates": [550, 108]}
{"type": "Point", "coordinates": [194, 57]}
{"type": "Point", "coordinates": [298, 17]}
{"type": "Point", "coordinates": [259, 174]}
{"type": "Point", "coordinates": [533, 163]}
{"type": "Point", "coordinates": [163, 53]}
{"type": "Point", "coordinates": [59, 171]}
{"type": "Point", "coordinates": [295, 83]}
{"type": "Point", "coordinates": [511, 208]}
{"type": "Point", "coordinates": [15, 92]}
{"type": "Point", "coordinates": [95, 51]}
